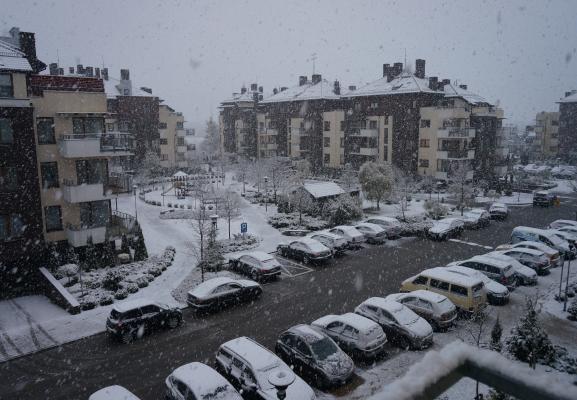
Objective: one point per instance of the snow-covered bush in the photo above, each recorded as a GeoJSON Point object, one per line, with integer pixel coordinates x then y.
{"type": "Point", "coordinates": [572, 310]}
{"type": "Point", "coordinates": [141, 281]}
{"type": "Point", "coordinates": [291, 221]}
{"type": "Point", "coordinates": [111, 280]}
{"type": "Point", "coordinates": [239, 242]}
{"type": "Point", "coordinates": [149, 277]}
{"type": "Point", "coordinates": [106, 300]}
{"type": "Point", "coordinates": [68, 270]}
{"type": "Point", "coordinates": [121, 294]}
{"type": "Point", "coordinates": [88, 302]}
{"type": "Point", "coordinates": [155, 271]}
{"type": "Point", "coordinates": [435, 209]}
{"type": "Point", "coordinates": [132, 287]}
{"type": "Point", "coordinates": [91, 283]}
{"type": "Point", "coordinates": [343, 210]}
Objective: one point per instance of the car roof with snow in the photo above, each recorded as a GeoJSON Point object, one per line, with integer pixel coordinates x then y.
{"type": "Point", "coordinates": [310, 334]}
{"type": "Point", "coordinates": [443, 274]}
{"type": "Point", "coordinates": [308, 241]}
{"type": "Point", "coordinates": [565, 221]}
{"type": "Point", "coordinates": [525, 250]}
{"type": "Point", "coordinates": [498, 205]}
{"type": "Point", "coordinates": [324, 233]}
{"type": "Point", "coordinates": [206, 287]}
{"type": "Point", "coordinates": [380, 302]}
{"type": "Point", "coordinates": [128, 305]}
{"type": "Point", "coordinates": [493, 258]}
{"type": "Point", "coordinates": [349, 228]}
{"type": "Point", "coordinates": [259, 255]}
{"type": "Point", "coordinates": [203, 380]}
{"type": "Point", "coordinates": [541, 246]}
{"type": "Point", "coordinates": [461, 269]}
{"type": "Point", "coordinates": [259, 357]}
{"type": "Point", "coordinates": [356, 321]}
{"type": "Point", "coordinates": [448, 220]}
{"type": "Point", "coordinates": [114, 392]}
{"type": "Point", "coordinates": [369, 225]}
{"type": "Point", "coordinates": [425, 295]}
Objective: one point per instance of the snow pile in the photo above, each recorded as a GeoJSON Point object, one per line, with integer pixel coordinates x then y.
{"type": "Point", "coordinates": [293, 221]}
{"type": "Point", "coordinates": [104, 286]}
{"type": "Point", "coordinates": [240, 242]}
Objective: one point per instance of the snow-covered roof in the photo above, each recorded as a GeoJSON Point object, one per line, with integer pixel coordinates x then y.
{"type": "Point", "coordinates": [132, 304]}
{"type": "Point", "coordinates": [12, 59]}
{"type": "Point", "coordinates": [206, 287]}
{"type": "Point", "coordinates": [114, 392]}
{"type": "Point", "coordinates": [179, 174]}
{"type": "Point", "coordinates": [371, 226]}
{"type": "Point", "coordinates": [572, 98]}
{"type": "Point", "coordinates": [452, 90]}
{"type": "Point", "coordinates": [444, 274]}
{"type": "Point", "coordinates": [247, 96]}
{"type": "Point", "coordinates": [404, 83]}
{"type": "Point", "coordinates": [258, 357]}
{"type": "Point", "coordinates": [323, 189]}
{"type": "Point", "coordinates": [204, 381]}
{"type": "Point", "coordinates": [309, 91]}
{"type": "Point", "coordinates": [113, 88]}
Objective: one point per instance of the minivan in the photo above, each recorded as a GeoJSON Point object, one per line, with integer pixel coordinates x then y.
{"type": "Point", "coordinates": [497, 270]}
{"type": "Point", "coordinates": [525, 233]}
{"type": "Point", "coordinates": [468, 294]}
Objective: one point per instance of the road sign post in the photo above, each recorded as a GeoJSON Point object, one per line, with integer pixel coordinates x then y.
{"type": "Point", "coordinates": [243, 228]}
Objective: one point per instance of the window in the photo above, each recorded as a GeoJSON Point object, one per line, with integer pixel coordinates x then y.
{"type": "Point", "coordinates": [8, 177]}
{"type": "Point", "coordinates": [327, 126]}
{"type": "Point", "coordinates": [460, 290]}
{"type": "Point", "coordinates": [342, 126]}
{"type": "Point", "coordinates": [6, 132]}
{"type": "Point", "coordinates": [94, 213]}
{"type": "Point", "coordinates": [162, 125]}
{"type": "Point", "coordinates": [326, 158]}
{"type": "Point", "coordinates": [373, 124]}
{"type": "Point", "coordinates": [109, 127]}
{"type": "Point", "coordinates": [423, 163]}
{"type": "Point", "coordinates": [261, 126]}
{"type": "Point", "coordinates": [149, 309]}
{"type": "Point", "coordinates": [91, 172]}
{"type": "Point", "coordinates": [386, 120]}
{"type": "Point", "coordinates": [350, 332]}
{"type": "Point", "coordinates": [302, 347]}
{"type": "Point", "coordinates": [45, 130]}
{"type": "Point", "coordinates": [82, 126]}
{"type": "Point", "coordinates": [164, 157]}
{"type": "Point", "coordinates": [11, 226]}
{"type": "Point", "coordinates": [180, 125]}
{"type": "Point", "coordinates": [420, 280]}
{"type": "Point", "coordinates": [425, 123]}
{"type": "Point", "coordinates": [424, 143]}
{"type": "Point", "coordinates": [180, 141]}
{"type": "Point", "coordinates": [49, 173]}
{"type": "Point", "coordinates": [439, 284]}
{"type": "Point", "coordinates": [327, 141]}
{"type": "Point", "coordinates": [53, 217]}
{"type": "Point", "coordinates": [6, 89]}
{"type": "Point", "coordinates": [163, 142]}
{"type": "Point", "coordinates": [364, 124]}
{"type": "Point", "coordinates": [386, 135]}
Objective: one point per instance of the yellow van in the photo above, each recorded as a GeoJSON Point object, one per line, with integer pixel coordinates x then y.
{"type": "Point", "coordinates": [467, 293]}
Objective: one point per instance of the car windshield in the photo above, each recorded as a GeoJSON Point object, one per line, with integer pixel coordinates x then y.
{"type": "Point", "coordinates": [445, 305]}
{"type": "Point", "coordinates": [324, 348]}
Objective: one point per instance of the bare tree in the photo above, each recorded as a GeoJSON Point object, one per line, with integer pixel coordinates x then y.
{"type": "Point", "coordinates": [404, 185]}
{"type": "Point", "coordinates": [349, 177]}
{"type": "Point", "coordinates": [476, 330]}
{"type": "Point", "coordinates": [230, 206]}
{"type": "Point", "coordinates": [278, 173]}
{"type": "Point", "coordinates": [461, 187]}
{"type": "Point", "coordinates": [242, 170]}
{"type": "Point", "coordinates": [201, 230]}
{"type": "Point", "coordinates": [299, 199]}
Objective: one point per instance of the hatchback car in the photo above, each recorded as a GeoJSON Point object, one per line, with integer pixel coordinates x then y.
{"type": "Point", "coordinates": [306, 250]}
{"type": "Point", "coordinates": [247, 365]}
{"type": "Point", "coordinates": [314, 355]}
{"type": "Point", "coordinates": [476, 218]}
{"type": "Point", "coordinates": [553, 254]}
{"type": "Point", "coordinates": [373, 233]}
{"type": "Point", "coordinates": [435, 308]}
{"type": "Point", "coordinates": [401, 325]}
{"type": "Point", "coordinates": [357, 336]}
{"type": "Point", "coordinates": [133, 318]}
{"type": "Point", "coordinates": [218, 293]}
{"type": "Point", "coordinates": [114, 392]}
{"type": "Point", "coordinates": [355, 238]}
{"type": "Point", "coordinates": [336, 243]}
{"type": "Point", "coordinates": [391, 225]}
{"type": "Point", "coordinates": [198, 381]}
{"type": "Point", "coordinates": [497, 294]}
{"type": "Point", "coordinates": [445, 228]}
{"type": "Point", "coordinates": [258, 265]}
{"type": "Point", "coordinates": [525, 275]}
{"type": "Point", "coordinates": [499, 211]}
{"type": "Point", "coordinates": [534, 259]}
{"type": "Point", "coordinates": [568, 228]}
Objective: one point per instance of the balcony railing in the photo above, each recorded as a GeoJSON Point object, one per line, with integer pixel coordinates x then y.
{"type": "Point", "coordinates": [364, 151]}
{"type": "Point", "coordinates": [75, 193]}
{"type": "Point", "coordinates": [363, 132]}
{"type": "Point", "coordinates": [96, 144]}
{"type": "Point", "coordinates": [456, 132]}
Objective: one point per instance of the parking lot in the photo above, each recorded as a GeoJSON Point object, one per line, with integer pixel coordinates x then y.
{"type": "Point", "coordinates": [304, 293]}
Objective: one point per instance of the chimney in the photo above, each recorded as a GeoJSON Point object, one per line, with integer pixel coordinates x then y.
{"type": "Point", "coordinates": [464, 87]}
{"type": "Point", "coordinates": [282, 89]}
{"type": "Point", "coordinates": [60, 71]}
{"type": "Point", "coordinates": [89, 72]}
{"type": "Point", "coordinates": [397, 69]}
{"type": "Point", "coordinates": [27, 44]}
{"type": "Point", "coordinates": [105, 74]}
{"type": "Point", "coordinates": [80, 69]}
{"type": "Point", "coordinates": [386, 69]}
{"type": "Point", "coordinates": [260, 89]}
{"type": "Point", "coordinates": [352, 88]}
{"type": "Point", "coordinates": [53, 68]}
{"type": "Point", "coordinates": [433, 82]}
{"type": "Point", "coordinates": [242, 90]}
{"type": "Point", "coordinates": [124, 75]}
{"type": "Point", "coordinates": [337, 88]}
{"type": "Point", "coordinates": [316, 78]}
{"type": "Point", "coordinates": [420, 68]}
{"type": "Point", "coordinates": [97, 72]}
{"type": "Point", "coordinates": [302, 80]}
{"type": "Point", "coordinates": [253, 87]}
{"type": "Point", "coordinates": [274, 91]}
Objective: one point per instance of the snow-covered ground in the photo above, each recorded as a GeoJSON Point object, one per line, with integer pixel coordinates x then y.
{"type": "Point", "coordinates": [514, 199]}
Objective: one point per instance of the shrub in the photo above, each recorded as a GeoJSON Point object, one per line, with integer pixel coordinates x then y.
{"type": "Point", "coordinates": [149, 277]}
{"type": "Point", "coordinates": [132, 287]}
{"type": "Point", "coordinates": [154, 271]}
{"type": "Point", "coordinates": [435, 209]}
{"type": "Point", "coordinates": [141, 281]}
{"type": "Point", "coordinates": [106, 300]}
{"type": "Point", "coordinates": [111, 280]}
{"type": "Point", "coordinates": [572, 310]}
{"type": "Point", "coordinates": [87, 303]}
{"type": "Point", "coordinates": [91, 284]}
{"type": "Point", "coordinates": [121, 294]}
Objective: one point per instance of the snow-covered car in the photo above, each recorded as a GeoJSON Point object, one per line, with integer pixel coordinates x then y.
{"type": "Point", "coordinates": [306, 250]}
{"type": "Point", "coordinates": [498, 270]}
{"type": "Point", "coordinates": [218, 293]}
{"type": "Point", "coordinates": [568, 228]}
{"type": "Point", "coordinates": [315, 356]}
{"type": "Point", "coordinates": [445, 228]}
{"type": "Point", "coordinates": [373, 233]}
{"type": "Point", "coordinates": [131, 319]}
{"type": "Point", "coordinates": [401, 325]}
{"type": "Point", "coordinates": [534, 259]}
{"type": "Point", "coordinates": [435, 308]}
{"type": "Point", "coordinates": [553, 254]}
{"type": "Point", "coordinates": [527, 233]}
{"type": "Point", "coordinates": [114, 392]}
{"type": "Point", "coordinates": [247, 365]}
{"type": "Point", "coordinates": [391, 225]}
{"type": "Point", "coordinates": [198, 381]}
{"type": "Point", "coordinates": [569, 237]}
{"type": "Point", "coordinates": [560, 223]}
{"type": "Point", "coordinates": [336, 243]}
{"type": "Point", "coordinates": [354, 237]}
{"type": "Point", "coordinates": [544, 198]}
{"type": "Point", "coordinates": [497, 294]}
{"type": "Point", "coordinates": [356, 335]}
{"type": "Point", "coordinates": [499, 211]}
{"type": "Point", "coordinates": [258, 265]}
{"type": "Point", "coordinates": [476, 218]}
{"type": "Point", "coordinates": [525, 275]}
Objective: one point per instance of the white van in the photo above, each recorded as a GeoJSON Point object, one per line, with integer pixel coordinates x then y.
{"type": "Point", "coordinates": [525, 233]}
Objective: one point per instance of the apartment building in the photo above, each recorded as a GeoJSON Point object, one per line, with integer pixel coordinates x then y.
{"type": "Point", "coordinates": [21, 239]}
{"type": "Point", "coordinates": [547, 135]}
{"type": "Point", "coordinates": [568, 127]}
{"type": "Point", "coordinates": [172, 144]}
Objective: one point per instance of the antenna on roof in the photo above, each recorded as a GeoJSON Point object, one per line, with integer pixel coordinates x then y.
{"type": "Point", "coordinates": [313, 58]}
{"type": "Point", "coordinates": [58, 56]}
{"type": "Point", "coordinates": [405, 56]}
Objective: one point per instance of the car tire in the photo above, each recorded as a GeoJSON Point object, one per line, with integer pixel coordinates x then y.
{"type": "Point", "coordinates": [173, 322]}
{"type": "Point", "coordinates": [306, 260]}
{"type": "Point", "coordinates": [127, 337]}
{"type": "Point", "coordinates": [254, 275]}
{"type": "Point", "coordinates": [404, 343]}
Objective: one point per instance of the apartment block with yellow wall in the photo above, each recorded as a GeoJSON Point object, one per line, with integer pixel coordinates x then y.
{"type": "Point", "coordinates": [333, 139]}
{"type": "Point", "coordinates": [368, 138]}
{"type": "Point", "coordinates": [547, 132]}
{"type": "Point", "coordinates": [172, 144]}
{"type": "Point", "coordinates": [266, 137]}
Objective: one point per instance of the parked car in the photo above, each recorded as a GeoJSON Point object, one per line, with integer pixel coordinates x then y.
{"type": "Point", "coordinates": [306, 250]}
{"type": "Point", "coordinates": [535, 259]}
{"type": "Point", "coordinates": [256, 264]}
{"type": "Point", "coordinates": [198, 381]}
{"type": "Point", "coordinates": [355, 238]}
{"type": "Point", "coordinates": [435, 308]}
{"type": "Point", "coordinates": [560, 223]}
{"type": "Point", "coordinates": [218, 293]}
{"type": "Point", "coordinates": [401, 325]}
{"type": "Point", "coordinates": [572, 230]}
{"type": "Point", "coordinates": [391, 225]}
{"type": "Point", "coordinates": [553, 254]}
{"type": "Point", "coordinates": [468, 294]}
{"type": "Point", "coordinates": [446, 227]}
{"type": "Point", "coordinates": [373, 233]}
{"type": "Point", "coordinates": [114, 392]}
{"type": "Point", "coordinates": [476, 218]}
{"type": "Point", "coordinates": [336, 243]}
{"type": "Point", "coordinates": [525, 233]}
{"type": "Point", "coordinates": [497, 294]}
{"type": "Point", "coordinates": [525, 275]}
{"type": "Point", "coordinates": [544, 198]}
{"type": "Point", "coordinates": [131, 319]}
{"type": "Point", "coordinates": [497, 270]}
{"type": "Point", "coordinates": [569, 237]}
{"type": "Point", "coordinates": [314, 355]}
{"type": "Point", "coordinates": [499, 211]}
{"type": "Point", "coordinates": [247, 365]}
{"type": "Point", "coordinates": [357, 336]}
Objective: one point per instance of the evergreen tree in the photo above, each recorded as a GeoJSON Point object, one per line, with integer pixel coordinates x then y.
{"type": "Point", "coordinates": [496, 334]}
{"type": "Point", "coordinates": [214, 253]}
{"type": "Point", "coordinates": [572, 310]}
{"type": "Point", "coordinates": [70, 256]}
{"type": "Point", "coordinates": [108, 253]}
{"type": "Point", "coordinates": [140, 252]}
{"type": "Point", "coordinates": [91, 258]}
{"type": "Point", "coordinates": [53, 260]}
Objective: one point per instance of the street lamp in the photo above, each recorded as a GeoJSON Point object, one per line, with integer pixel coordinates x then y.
{"type": "Point", "coordinates": [135, 210]}
{"type": "Point", "coordinates": [265, 194]}
{"type": "Point", "coordinates": [281, 380]}
{"type": "Point", "coordinates": [214, 219]}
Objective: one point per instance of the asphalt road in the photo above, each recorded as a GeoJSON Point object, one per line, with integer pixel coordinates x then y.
{"type": "Point", "coordinates": [75, 370]}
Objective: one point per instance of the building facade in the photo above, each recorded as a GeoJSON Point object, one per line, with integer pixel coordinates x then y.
{"type": "Point", "coordinates": [568, 127]}
{"type": "Point", "coordinates": [172, 134]}
{"type": "Point", "coordinates": [547, 135]}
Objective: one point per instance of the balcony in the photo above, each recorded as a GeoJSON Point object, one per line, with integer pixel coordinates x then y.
{"type": "Point", "coordinates": [365, 151]}
{"type": "Point", "coordinates": [78, 235]}
{"type": "Point", "coordinates": [119, 224]}
{"type": "Point", "coordinates": [456, 132]}
{"type": "Point", "coordinates": [373, 133]}
{"type": "Point", "coordinates": [96, 145]}
{"type": "Point", "coordinates": [74, 193]}
{"type": "Point", "coordinates": [456, 154]}
{"type": "Point", "coordinates": [181, 149]}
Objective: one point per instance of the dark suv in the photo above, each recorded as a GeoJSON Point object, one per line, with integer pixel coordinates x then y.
{"type": "Point", "coordinates": [131, 319]}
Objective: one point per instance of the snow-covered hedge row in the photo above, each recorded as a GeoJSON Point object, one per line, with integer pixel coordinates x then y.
{"type": "Point", "coordinates": [106, 285]}
{"type": "Point", "coordinates": [291, 221]}
{"type": "Point", "coordinates": [239, 243]}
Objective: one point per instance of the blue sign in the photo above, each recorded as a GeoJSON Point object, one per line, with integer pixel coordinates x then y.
{"type": "Point", "coordinates": [243, 227]}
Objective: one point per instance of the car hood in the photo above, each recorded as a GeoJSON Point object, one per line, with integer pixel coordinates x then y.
{"type": "Point", "coordinates": [337, 364]}
{"type": "Point", "coordinates": [495, 287]}
{"type": "Point", "coordinates": [439, 229]}
{"type": "Point", "coordinates": [420, 328]}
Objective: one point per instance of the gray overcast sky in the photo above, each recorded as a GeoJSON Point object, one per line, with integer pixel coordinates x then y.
{"type": "Point", "coordinates": [196, 53]}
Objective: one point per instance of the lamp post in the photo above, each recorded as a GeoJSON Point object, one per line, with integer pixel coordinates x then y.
{"type": "Point", "coordinates": [214, 219]}
{"type": "Point", "coordinates": [135, 210]}
{"type": "Point", "coordinates": [266, 194]}
{"type": "Point", "coordinates": [281, 380]}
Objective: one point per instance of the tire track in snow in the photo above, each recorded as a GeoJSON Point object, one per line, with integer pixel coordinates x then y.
{"type": "Point", "coordinates": [3, 351]}
{"type": "Point", "coordinates": [11, 343]}
{"type": "Point", "coordinates": [33, 324]}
